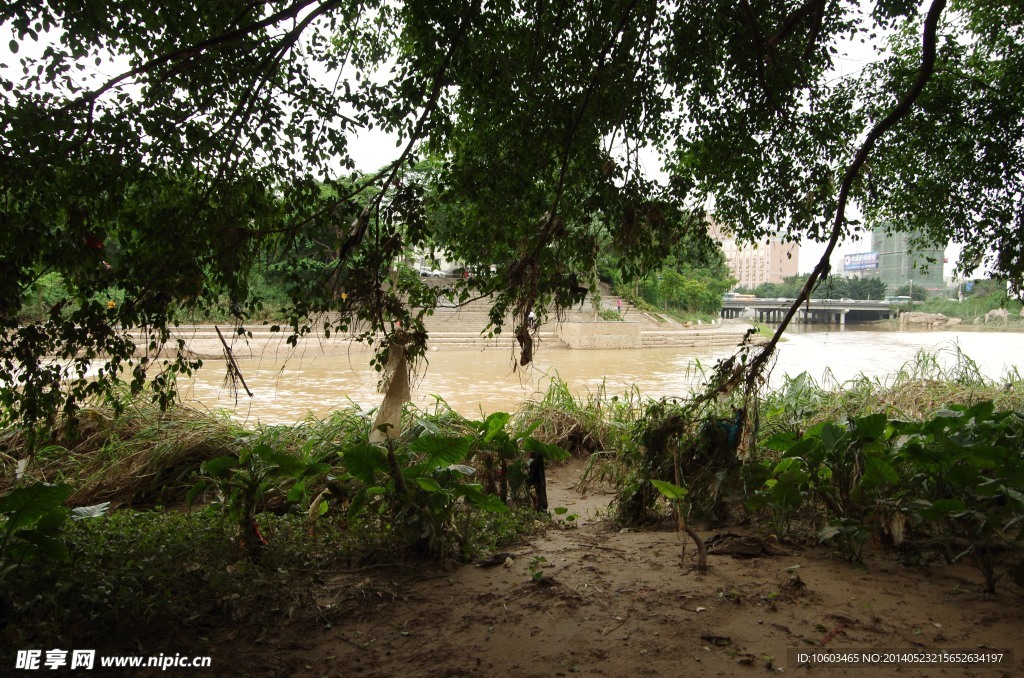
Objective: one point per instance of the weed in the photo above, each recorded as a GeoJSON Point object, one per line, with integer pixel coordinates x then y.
{"type": "Point", "coordinates": [537, 568]}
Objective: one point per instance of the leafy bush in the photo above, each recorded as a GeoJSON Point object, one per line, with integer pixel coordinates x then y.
{"type": "Point", "coordinates": [420, 485]}
{"type": "Point", "coordinates": [243, 481]}
{"type": "Point", "coordinates": [957, 477]}
{"type": "Point", "coordinates": [33, 518]}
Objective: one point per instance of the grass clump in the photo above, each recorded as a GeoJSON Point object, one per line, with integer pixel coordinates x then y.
{"type": "Point", "coordinates": [583, 425]}
{"type": "Point", "coordinates": [921, 387]}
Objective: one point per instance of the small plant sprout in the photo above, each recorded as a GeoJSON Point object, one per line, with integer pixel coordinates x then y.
{"type": "Point", "coordinates": [568, 519]}
{"type": "Point", "coordinates": [536, 568]}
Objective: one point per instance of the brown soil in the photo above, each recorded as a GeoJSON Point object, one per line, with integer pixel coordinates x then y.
{"type": "Point", "coordinates": [620, 603]}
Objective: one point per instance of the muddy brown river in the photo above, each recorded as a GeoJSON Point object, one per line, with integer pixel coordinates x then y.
{"type": "Point", "coordinates": [485, 381]}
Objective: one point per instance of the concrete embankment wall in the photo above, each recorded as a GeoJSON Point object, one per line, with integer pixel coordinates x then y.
{"type": "Point", "coordinates": [600, 335]}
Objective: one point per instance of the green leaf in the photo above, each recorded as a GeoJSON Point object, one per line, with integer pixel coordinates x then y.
{"type": "Point", "coordinates": [474, 494]}
{"type": "Point", "coordinates": [939, 509]}
{"type": "Point", "coordinates": [324, 507]}
{"type": "Point", "coordinates": [286, 463]}
{"type": "Point", "coordinates": [440, 450]}
{"type": "Point", "coordinates": [832, 436]}
{"type": "Point", "coordinates": [494, 424]}
{"type": "Point", "coordinates": [296, 491]}
{"type": "Point", "coordinates": [52, 521]}
{"type": "Point", "coordinates": [46, 545]}
{"type": "Point", "coordinates": [26, 505]}
{"type": "Point", "coordinates": [548, 451]}
{"type": "Point", "coordinates": [670, 491]}
{"type": "Point", "coordinates": [982, 410]}
{"type": "Point", "coordinates": [219, 466]}
{"type": "Point", "coordinates": [871, 427]}
{"type": "Point", "coordinates": [195, 491]}
{"type": "Point", "coordinates": [364, 462]}
{"type": "Point", "coordinates": [781, 442]}
{"type": "Point", "coordinates": [428, 484]}
{"type": "Point", "coordinates": [878, 470]}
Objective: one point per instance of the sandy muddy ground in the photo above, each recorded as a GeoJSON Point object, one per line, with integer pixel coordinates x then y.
{"type": "Point", "coordinates": [618, 603]}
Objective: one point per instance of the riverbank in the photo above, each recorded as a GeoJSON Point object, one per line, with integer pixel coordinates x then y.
{"type": "Point", "coordinates": [346, 591]}
{"type": "Point", "coordinates": [202, 341]}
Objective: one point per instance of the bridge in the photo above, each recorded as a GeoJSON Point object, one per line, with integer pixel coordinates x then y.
{"type": "Point", "coordinates": [827, 311]}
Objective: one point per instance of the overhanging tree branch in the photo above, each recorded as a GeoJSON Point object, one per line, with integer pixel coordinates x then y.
{"type": "Point", "coordinates": [193, 50]}
{"type": "Point", "coordinates": [901, 110]}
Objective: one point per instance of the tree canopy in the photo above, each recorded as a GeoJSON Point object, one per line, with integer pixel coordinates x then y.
{"type": "Point", "coordinates": [161, 150]}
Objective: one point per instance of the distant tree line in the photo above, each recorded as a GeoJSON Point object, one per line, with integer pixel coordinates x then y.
{"type": "Point", "coordinates": [830, 288]}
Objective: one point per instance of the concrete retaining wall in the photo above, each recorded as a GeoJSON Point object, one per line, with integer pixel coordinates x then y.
{"type": "Point", "coordinates": [598, 335]}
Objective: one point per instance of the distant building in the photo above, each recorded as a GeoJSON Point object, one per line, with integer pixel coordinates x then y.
{"type": "Point", "coordinates": [753, 265]}
{"type": "Point", "coordinates": [899, 265]}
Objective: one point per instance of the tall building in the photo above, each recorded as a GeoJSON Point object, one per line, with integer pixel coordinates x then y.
{"type": "Point", "coordinates": [900, 265]}
{"type": "Point", "coordinates": [769, 262]}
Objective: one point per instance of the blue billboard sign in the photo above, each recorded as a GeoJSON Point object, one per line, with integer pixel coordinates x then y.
{"type": "Point", "coordinates": [864, 261]}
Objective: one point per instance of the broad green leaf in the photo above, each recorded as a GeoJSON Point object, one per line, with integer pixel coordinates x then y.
{"type": "Point", "coordinates": [833, 437]}
{"type": "Point", "coordinates": [672, 492]}
{"type": "Point", "coordinates": [982, 410]}
{"type": "Point", "coordinates": [219, 466]}
{"type": "Point", "coordinates": [25, 505]}
{"type": "Point", "coordinates": [781, 442]}
{"type": "Point", "coordinates": [871, 427]}
{"type": "Point", "coordinates": [940, 508]}
{"type": "Point", "coordinates": [296, 491]}
{"type": "Point", "coordinates": [490, 503]}
{"type": "Point", "coordinates": [475, 495]}
{"type": "Point", "coordinates": [364, 462]}
{"type": "Point", "coordinates": [52, 521]}
{"type": "Point", "coordinates": [787, 464]}
{"type": "Point", "coordinates": [45, 544]}
{"type": "Point", "coordinates": [495, 423]}
{"type": "Point", "coordinates": [548, 451]}
{"type": "Point", "coordinates": [440, 450]}
{"type": "Point", "coordinates": [878, 470]}
{"type": "Point", "coordinates": [287, 464]}
{"type": "Point", "coordinates": [428, 484]}
{"type": "Point", "coordinates": [195, 491]}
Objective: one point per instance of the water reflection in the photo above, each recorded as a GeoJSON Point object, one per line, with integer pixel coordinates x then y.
{"type": "Point", "coordinates": [485, 381]}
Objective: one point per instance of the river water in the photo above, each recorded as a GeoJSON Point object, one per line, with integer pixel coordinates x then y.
{"type": "Point", "coordinates": [485, 381]}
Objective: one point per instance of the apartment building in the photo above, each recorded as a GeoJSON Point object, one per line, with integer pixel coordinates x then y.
{"type": "Point", "coordinates": [769, 262]}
